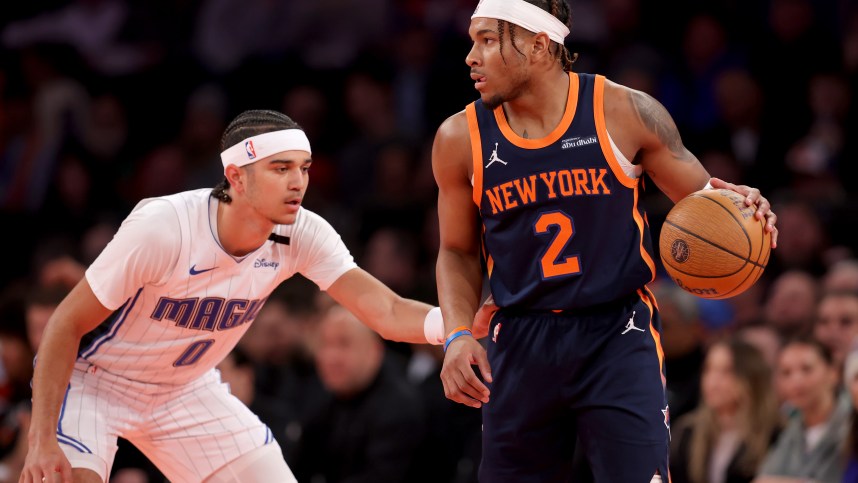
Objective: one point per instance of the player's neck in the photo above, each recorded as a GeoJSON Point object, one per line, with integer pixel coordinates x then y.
{"type": "Point", "coordinates": [239, 230]}
{"type": "Point", "coordinates": [539, 109]}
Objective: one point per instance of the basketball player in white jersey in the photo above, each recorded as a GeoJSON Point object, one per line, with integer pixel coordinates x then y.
{"type": "Point", "coordinates": [131, 351]}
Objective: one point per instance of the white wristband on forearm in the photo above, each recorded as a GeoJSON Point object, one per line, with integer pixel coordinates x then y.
{"type": "Point", "coordinates": [433, 327]}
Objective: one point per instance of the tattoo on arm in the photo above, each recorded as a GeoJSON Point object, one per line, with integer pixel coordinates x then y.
{"type": "Point", "coordinates": [658, 121]}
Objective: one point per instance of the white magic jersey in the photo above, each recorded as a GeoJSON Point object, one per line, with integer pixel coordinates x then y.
{"type": "Point", "coordinates": [181, 302]}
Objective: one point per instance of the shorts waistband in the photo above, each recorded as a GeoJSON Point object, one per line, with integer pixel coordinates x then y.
{"type": "Point", "coordinates": [588, 310]}
{"type": "Point", "coordinates": [115, 380]}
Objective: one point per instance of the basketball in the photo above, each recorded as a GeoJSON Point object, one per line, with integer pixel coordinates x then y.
{"type": "Point", "coordinates": [712, 245]}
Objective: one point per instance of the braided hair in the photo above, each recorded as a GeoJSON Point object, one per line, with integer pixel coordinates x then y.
{"type": "Point", "coordinates": [558, 8]}
{"type": "Point", "coordinates": [245, 125]}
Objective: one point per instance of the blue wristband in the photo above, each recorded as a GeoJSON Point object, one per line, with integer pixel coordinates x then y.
{"type": "Point", "coordinates": [454, 335]}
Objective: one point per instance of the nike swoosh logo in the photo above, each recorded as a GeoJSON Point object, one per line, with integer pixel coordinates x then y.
{"type": "Point", "coordinates": [194, 271]}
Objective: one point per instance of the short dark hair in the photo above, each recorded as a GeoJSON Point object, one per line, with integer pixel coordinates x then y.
{"type": "Point", "coordinates": [808, 340]}
{"type": "Point", "coordinates": [247, 124]}
{"type": "Point", "coordinates": [563, 12]}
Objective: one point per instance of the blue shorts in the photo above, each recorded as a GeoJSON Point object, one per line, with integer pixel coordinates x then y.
{"type": "Point", "coordinates": [594, 374]}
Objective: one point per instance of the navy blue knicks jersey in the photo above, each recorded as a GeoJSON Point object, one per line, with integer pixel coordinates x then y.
{"type": "Point", "coordinates": [562, 227]}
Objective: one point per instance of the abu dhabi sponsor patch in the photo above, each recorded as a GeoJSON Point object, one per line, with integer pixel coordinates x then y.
{"type": "Point", "coordinates": [577, 142]}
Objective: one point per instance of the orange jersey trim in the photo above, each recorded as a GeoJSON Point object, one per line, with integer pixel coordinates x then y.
{"type": "Point", "coordinates": [639, 221]}
{"type": "Point", "coordinates": [490, 263]}
{"type": "Point", "coordinates": [626, 180]}
{"type": "Point", "coordinates": [602, 132]}
{"type": "Point", "coordinates": [553, 136]}
{"type": "Point", "coordinates": [651, 297]}
{"type": "Point", "coordinates": [655, 335]}
{"type": "Point", "coordinates": [476, 153]}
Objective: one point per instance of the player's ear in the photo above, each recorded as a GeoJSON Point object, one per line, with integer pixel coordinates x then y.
{"type": "Point", "coordinates": [540, 45]}
{"type": "Point", "coordinates": [235, 177]}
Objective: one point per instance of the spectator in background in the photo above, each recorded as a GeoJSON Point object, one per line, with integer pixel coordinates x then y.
{"type": "Point", "coordinates": [61, 270]}
{"type": "Point", "coordinates": [805, 241]}
{"type": "Point", "coordinates": [310, 107]}
{"type": "Point", "coordinates": [791, 30]}
{"type": "Point", "coordinates": [765, 338]}
{"type": "Point", "coordinates": [414, 51]}
{"type": "Point", "coordinates": [228, 33]}
{"type": "Point", "coordinates": [369, 107]}
{"type": "Point", "coordinates": [810, 448]}
{"type": "Point", "coordinates": [278, 336]}
{"type": "Point", "coordinates": [720, 163]}
{"type": "Point", "coordinates": [393, 201]}
{"type": "Point", "coordinates": [747, 307]}
{"type": "Point", "coordinates": [16, 367]}
{"type": "Point", "coordinates": [35, 307]}
{"type": "Point", "coordinates": [813, 158]}
{"type": "Point", "coordinates": [93, 28]}
{"type": "Point", "coordinates": [841, 275]}
{"type": "Point", "coordinates": [719, 316]}
{"type": "Point", "coordinates": [370, 425]}
{"type": "Point", "coordinates": [40, 305]}
{"type": "Point", "coordinates": [50, 114]}
{"type": "Point", "coordinates": [837, 323]}
{"type": "Point", "coordinates": [160, 172]}
{"type": "Point", "coordinates": [850, 381]}
{"type": "Point", "coordinates": [706, 54]}
{"type": "Point", "coordinates": [392, 256]}
{"type": "Point", "coordinates": [740, 104]}
{"type": "Point", "coordinates": [726, 438]}
{"type": "Point", "coordinates": [105, 134]}
{"type": "Point", "coordinates": [204, 121]}
{"type": "Point", "coordinates": [790, 306]}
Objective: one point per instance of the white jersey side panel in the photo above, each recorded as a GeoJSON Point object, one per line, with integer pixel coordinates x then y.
{"type": "Point", "coordinates": [181, 310]}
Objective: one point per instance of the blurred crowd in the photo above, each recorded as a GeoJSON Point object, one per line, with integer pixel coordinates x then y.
{"type": "Point", "coordinates": [106, 102]}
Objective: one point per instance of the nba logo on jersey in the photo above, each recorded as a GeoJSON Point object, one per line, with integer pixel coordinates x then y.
{"type": "Point", "coordinates": [251, 152]}
{"type": "Point", "coordinates": [496, 332]}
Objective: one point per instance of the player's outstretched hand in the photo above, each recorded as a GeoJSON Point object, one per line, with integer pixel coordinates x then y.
{"type": "Point", "coordinates": [480, 328]}
{"type": "Point", "coordinates": [461, 383]}
{"type": "Point", "coordinates": [753, 197]}
{"type": "Point", "coordinates": [46, 463]}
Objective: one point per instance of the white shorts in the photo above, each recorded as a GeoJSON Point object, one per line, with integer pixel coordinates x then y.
{"type": "Point", "coordinates": [187, 431]}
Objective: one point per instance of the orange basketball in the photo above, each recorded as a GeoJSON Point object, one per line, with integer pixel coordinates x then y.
{"type": "Point", "coordinates": [712, 245]}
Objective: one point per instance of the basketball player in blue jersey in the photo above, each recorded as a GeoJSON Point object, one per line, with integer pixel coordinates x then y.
{"type": "Point", "coordinates": [131, 351]}
{"type": "Point", "coordinates": [541, 176]}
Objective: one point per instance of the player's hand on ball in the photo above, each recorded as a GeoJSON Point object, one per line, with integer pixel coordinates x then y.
{"type": "Point", "coordinates": [46, 463]}
{"type": "Point", "coordinates": [461, 383]}
{"type": "Point", "coordinates": [483, 319]}
{"type": "Point", "coordinates": [753, 197]}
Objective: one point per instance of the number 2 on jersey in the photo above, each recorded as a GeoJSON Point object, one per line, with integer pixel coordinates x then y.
{"type": "Point", "coordinates": [552, 266]}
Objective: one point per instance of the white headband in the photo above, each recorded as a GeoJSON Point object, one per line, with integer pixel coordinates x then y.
{"type": "Point", "coordinates": [255, 148]}
{"type": "Point", "coordinates": [524, 15]}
